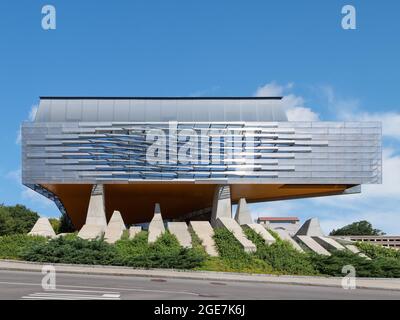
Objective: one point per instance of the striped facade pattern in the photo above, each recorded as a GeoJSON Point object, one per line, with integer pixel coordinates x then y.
{"type": "Point", "coordinates": [237, 152]}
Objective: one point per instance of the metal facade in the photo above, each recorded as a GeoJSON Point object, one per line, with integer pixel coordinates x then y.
{"type": "Point", "coordinates": [283, 152]}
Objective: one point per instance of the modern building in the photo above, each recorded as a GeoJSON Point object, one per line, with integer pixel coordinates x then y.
{"type": "Point", "coordinates": [289, 224]}
{"type": "Point", "coordinates": [385, 241]}
{"type": "Point", "coordinates": [183, 152]}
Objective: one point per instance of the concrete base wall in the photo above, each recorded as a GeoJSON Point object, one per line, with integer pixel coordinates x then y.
{"type": "Point", "coordinates": [205, 233]}
{"type": "Point", "coordinates": [181, 232]}
{"type": "Point", "coordinates": [237, 231]}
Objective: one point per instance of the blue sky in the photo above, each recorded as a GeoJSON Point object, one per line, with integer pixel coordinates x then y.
{"type": "Point", "coordinates": [212, 48]}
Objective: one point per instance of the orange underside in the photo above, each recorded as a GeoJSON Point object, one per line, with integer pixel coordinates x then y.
{"type": "Point", "coordinates": [136, 201]}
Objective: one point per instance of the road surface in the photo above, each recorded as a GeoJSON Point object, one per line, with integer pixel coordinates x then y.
{"type": "Point", "coordinates": [27, 285]}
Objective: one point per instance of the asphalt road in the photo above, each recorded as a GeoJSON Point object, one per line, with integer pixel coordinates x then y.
{"type": "Point", "coordinates": [27, 285]}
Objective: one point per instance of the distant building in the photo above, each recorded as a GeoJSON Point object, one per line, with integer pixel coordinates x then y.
{"type": "Point", "coordinates": [385, 241]}
{"type": "Point", "coordinates": [290, 224]}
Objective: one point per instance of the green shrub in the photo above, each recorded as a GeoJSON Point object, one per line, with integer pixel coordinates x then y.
{"type": "Point", "coordinates": [375, 251]}
{"type": "Point", "coordinates": [381, 267]}
{"type": "Point", "coordinates": [281, 255]}
{"type": "Point", "coordinates": [71, 250]}
{"type": "Point", "coordinates": [16, 219]}
{"type": "Point", "coordinates": [13, 246]}
{"type": "Point", "coordinates": [232, 256]}
{"type": "Point", "coordinates": [164, 253]}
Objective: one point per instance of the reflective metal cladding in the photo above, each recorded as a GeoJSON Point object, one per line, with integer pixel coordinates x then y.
{"type": "Point", "coordinates": [244, 141]}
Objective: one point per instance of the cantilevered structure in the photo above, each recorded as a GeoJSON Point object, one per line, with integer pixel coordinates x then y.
{"type": "Point", "coordinates": [176, 151]}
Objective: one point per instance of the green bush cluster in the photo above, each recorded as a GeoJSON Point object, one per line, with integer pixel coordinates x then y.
{"type": "Point", "coordinates": [71, 250]}
{"type": "Point", "coordinates": [164, 253]}
{"type": "Point", "coordinates": [374, 251]}
{"type": "Point", "coordinates": [16, 219]}
{"type": "Point", "coordinates": [332, 265]}
{"type": "Point", "coordinates": [232, 256]}
{"type": "Point", "coordinates": [13, 246]}
{"type": "Point", "coordinates": [281, 255]}
{"type": "Point", "coordinates": [277, 258]}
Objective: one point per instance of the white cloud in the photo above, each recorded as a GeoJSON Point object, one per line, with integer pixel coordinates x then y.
{"type": "Point", "coordinates": [32, 112]}
{"type": "Point", "coordinates": [390, 121]}
{"type": "Point", "coordinates": [31, 117]}
{"type": "Point", "coordinates": [348, 109]}
{"type": "Point", "coordinates": [14, 175]}
{"type": "Point", "coordinates": [33, 196]}
{"type": "Point", "coordinates": [294, 105]}
{"type": "Point", "coordinates": [18, 138]}
{"type": "Point", "coordinates": [27, 193]}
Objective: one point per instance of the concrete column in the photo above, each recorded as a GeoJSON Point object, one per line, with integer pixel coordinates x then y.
{"type": "Point", "coordinates": [115, 228]}
{"type": "Point", "coordinates": [205, 233]}
{"type": "Point", "coordinates": [156, 226]}
{"type": "Point", "coordinates": [42, 228]}
{"type": "Point", "coordinates": [222, 206]}
{"type": "Point", "coordinates": [96, 221]}
{"type": "Point", "coordinates": [243, 215]}
{"type": "Point", "coordinates": [181, 232]}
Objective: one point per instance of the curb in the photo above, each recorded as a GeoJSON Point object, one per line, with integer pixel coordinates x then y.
{"type": "Point", "coordinates": [99, 270]}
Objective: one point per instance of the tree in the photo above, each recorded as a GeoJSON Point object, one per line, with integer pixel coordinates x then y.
{"type": "Point", "coordinates": [66, 225]}
{"type": "Point", "coordinates": [16, 219]}
{"type": "Point", "coordinates": [360, 228]}
{"type": "Point", "coordinates": [55, 224]}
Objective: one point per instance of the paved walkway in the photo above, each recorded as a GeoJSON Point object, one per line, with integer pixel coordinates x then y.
{"type": "Point", "coordinates": [367, 283]}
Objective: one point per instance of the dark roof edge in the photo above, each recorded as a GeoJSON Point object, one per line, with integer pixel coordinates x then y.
{"type": "Point", "coordinates": [158, 98]}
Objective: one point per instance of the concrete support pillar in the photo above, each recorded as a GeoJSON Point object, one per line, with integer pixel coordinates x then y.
{"type": "Point", "coordinates": [243, 215]}
{"type": "Point", "coordinates": [115, 228]}
{"type": "Point", "coordinates": [181, 232]}
{"type": "Point", "coordinates": [222, 206]}
{"type": "Point", "coordinates": [42, 228]}
{"type": "Point", "coordinates": [96, 221]}
{"type": "Point", "coordinates": [156, 226]}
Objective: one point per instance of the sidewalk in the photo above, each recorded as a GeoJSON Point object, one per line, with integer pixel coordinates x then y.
{"type": "Point", "coordinates": [362, 283]}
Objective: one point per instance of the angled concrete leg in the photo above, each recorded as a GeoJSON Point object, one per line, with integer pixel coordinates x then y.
{"type": "Point", "coordinates": [205, 233]}
{"type": "Point", "coordinates": [222, 206]}
{"type": "Point", "coordinates": [96, 222]}
{"type": "Point", "coordinates": [284, 235]}
{"type": "Point", "coordinates": [42, 228]}
{"type": "Point", "coordinates": [181, 232]}
{"type": "Point", "coordinates": [310, 228]}
{"type": "Point", "coordinates": [156, 226]}
{"type": "Point", "coordinates": [238, 233]}
{"type": "Point", "coordinates": [243, 218]}
{"type": "Point", "coordinates": [243, 215]}
{"type": "Point", "coordinates": [115, 228]}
